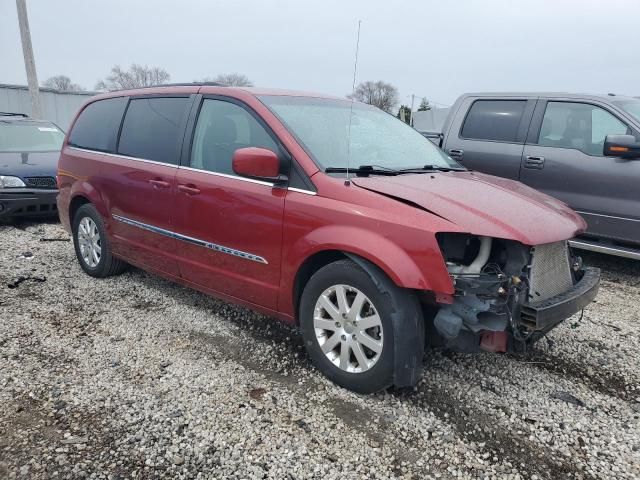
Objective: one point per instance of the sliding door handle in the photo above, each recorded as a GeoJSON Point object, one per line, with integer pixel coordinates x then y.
{"type": "Point", "coordinates": [157, 183]}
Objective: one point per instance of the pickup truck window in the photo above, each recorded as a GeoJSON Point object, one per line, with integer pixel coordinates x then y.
{"type": "Point", "coordinates": [496, 120]}
{"type": "Point", "coordinates": [632, 107]}
{"type": "Point", "coordinates": [580, 126]}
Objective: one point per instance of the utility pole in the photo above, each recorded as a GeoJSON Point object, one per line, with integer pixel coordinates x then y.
{"type": "Point", "coordinates": [413, 99]}
{"type": "Point", "coordinates": [29, 62]}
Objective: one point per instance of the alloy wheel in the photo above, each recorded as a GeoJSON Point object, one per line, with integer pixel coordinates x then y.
{"type": "Point", "coordinates": [348, 328]}
{"type": "Point", "coordinates": [89, 242]}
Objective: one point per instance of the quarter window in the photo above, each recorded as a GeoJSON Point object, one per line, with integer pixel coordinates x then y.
{"type": "Point", "coordinates": [97, 126]}
{"type": "Point", "coordinates": [153, 129]}
{"type": "Point", "coordinates": [222, 128]}
{"type": "Point", "coordinates": [497, 120]}
{"type": "Point", "coordinates": [579, 126]}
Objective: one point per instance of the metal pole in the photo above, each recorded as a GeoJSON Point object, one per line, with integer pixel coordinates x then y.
{"type": "Point", "coordinates": [413, 99]}
{"type": "Point", "coordinates": [29, 62]}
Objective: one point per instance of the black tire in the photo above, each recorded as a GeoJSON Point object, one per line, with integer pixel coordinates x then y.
{"type": "Point", "coordinates": [108, 265]}
{"type": "Point", "coordinates": [400, 360]}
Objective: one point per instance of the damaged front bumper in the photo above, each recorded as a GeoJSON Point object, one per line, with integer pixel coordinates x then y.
{"type": "Point", "coordinates": [544, 315]}
{"type": "Point", "coordinates": [508, 295]}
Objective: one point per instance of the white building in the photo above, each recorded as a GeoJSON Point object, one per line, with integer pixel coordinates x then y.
{"type": "Point", "coordinates": [57, 107]}
{"type": "Point", "coordinates": [430, 120]}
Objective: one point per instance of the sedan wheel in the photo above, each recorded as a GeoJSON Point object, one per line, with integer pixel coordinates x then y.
{"type": "Point", "coordinates": [348, 328]}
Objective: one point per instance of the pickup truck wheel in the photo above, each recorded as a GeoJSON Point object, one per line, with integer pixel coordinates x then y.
{"type": "Point", "coordinates": [92, 245]}
{"type": "Point", "coordinates": [350, 319]}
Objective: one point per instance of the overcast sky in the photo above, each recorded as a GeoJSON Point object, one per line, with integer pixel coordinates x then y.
{"type": "Point", "coordinates": [437, 49]}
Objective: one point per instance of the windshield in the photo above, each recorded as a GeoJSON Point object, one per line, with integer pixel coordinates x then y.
{"type": "Point", "coordinates": [27, 136]}
{"type": "Point", "coordinates": [322, 127]}
{"type": "Point", "coordinates": [632, 107]}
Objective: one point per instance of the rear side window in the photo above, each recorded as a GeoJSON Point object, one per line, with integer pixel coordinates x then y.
{"type": "Point", "coordinates": [153, 129]}
{"type": "Point", "coordinates": [98, 124]}
{"type": "Point", "coordinates": [497, 120]}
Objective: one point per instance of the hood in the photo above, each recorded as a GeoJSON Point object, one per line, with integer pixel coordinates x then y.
{"type": "Point", "coordinates": [29, 164]}
{"type": "Point", "coordinates": [483, 204]}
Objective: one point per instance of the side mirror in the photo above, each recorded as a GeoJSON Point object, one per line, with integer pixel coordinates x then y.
{"type": "Point", "coordinates": [258, 163]}
{"type": "Point", "coordinates": [623, 146]}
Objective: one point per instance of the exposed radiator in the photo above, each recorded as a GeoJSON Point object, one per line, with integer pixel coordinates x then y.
{"type": "Point", "coordinates": [550, 271]}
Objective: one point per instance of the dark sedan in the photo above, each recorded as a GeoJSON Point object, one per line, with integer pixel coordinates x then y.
{"type": "Point", "coordinates": [29, 151]}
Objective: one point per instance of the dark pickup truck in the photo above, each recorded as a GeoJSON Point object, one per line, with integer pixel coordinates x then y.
{"type": "Point", "coordinates": [581, 149]}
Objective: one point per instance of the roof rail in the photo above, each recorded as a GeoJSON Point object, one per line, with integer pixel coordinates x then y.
{"type": "Point", "coordinates": [13, 114]}
{"type": "Point", "coordinates": [185, 84]}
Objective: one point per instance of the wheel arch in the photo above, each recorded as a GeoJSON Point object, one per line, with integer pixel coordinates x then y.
{"type": "Point", "coordinates": [403, 272]}
{"type": "Point", "coordinates": [75, 204]}
{"type": "Point", "coordinates": [309, 266]}
{"type": "Point", "coordinates": [83, 192]}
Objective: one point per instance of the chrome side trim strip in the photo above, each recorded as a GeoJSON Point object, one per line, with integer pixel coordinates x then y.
{"type": "Point", "coordinates": [226, 175]}
{"type": "Point", "coordinates": [182, 167]}
{"type": "Point", "coordinates": [195, 241]}
{"type": "Point", "coordinates": [123, 157]}
{"type": "Point", "coordinates": [608, 216]}
{"type": "Point", "coordinates": [300, 190]}
{"type": "Point", "coordinates": [596, 247]}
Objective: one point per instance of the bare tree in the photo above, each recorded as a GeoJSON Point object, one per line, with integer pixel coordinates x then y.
{"type": "Point", "coordinates": [230, 80]}
{"type": "Point", "coordinates": [61, 83]}
{"type": "Point", "coordinates": [380, 94]}
{"type": "Point", "coordinates": [137, 76]}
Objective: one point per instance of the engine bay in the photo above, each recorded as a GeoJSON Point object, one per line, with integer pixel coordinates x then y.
{"type": "Point", "coordinates": [493, 279]}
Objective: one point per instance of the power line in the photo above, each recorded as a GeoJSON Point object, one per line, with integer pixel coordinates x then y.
{"type": "Point", "coordinates": [429, 100]}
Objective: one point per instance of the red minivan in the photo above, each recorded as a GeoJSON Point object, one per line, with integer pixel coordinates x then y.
{"type": "Point", "coordinates": [328, 214]}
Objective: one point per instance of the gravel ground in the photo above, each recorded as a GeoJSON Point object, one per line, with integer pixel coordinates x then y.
{"type": "Point", "coordinates": [136, 377]}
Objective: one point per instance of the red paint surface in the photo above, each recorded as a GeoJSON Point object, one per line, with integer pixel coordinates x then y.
{"type": "Point", "coordinates": [495, 342]}
{"type": "Point", "coordinates": [256, 162]}
{"type": "Point", "coordinates": [287, 227]}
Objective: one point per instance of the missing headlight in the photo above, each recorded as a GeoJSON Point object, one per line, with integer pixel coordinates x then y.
{"type": "Point", "coordinates": [489, 277]}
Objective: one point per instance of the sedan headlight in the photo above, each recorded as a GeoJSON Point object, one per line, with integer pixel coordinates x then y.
{"type": "Point", "coordinates": [10, 182]}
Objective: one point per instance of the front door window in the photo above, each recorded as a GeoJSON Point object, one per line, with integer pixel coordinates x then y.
{"type": "Point", "coordinates": [222, 128]}
{"type": "Point", "coordinates": [580, 126]}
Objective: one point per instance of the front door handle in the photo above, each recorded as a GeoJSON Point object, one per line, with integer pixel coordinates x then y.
{"type": "Point", "coordinates": [534, 162]}
{"type": "Point", "coordinates": [457, 154]}
{"type": "Point", "coordinates": [189, 189]}
{"type": "Point", "coordinates": [157, 183]}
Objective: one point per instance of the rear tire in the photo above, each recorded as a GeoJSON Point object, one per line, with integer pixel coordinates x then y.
{"type": "Point", "coordinates": [92, 244]}
{"type": "Point", "coordinates": [351, 322]}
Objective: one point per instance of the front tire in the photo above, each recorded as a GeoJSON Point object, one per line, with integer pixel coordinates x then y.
{"type": "Point", "coordinates": [92, 245]}
{"type": "Point", "coordinates": [353, 320]}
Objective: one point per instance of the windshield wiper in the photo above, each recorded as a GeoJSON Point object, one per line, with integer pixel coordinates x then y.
{"type": "Point", "coordinates": [432, 168]}
{"type": "Point", "coordinates": [364, 170]}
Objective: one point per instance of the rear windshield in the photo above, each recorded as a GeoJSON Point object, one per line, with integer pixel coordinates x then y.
{"type": "Point", "coordinates": [632, 107]}
{"type": "Point", "coordinates": [26, 136]}
{"type": "Point", "coordinates": [338, 132]}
